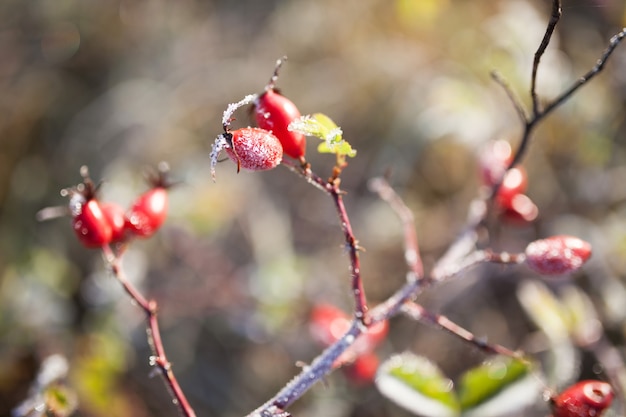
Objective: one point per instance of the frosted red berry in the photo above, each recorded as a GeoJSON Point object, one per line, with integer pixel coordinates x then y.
{"type": "Point", "coordinates": [557, 254]}
{"type": "Point", "coordinates": [274, 112]}
{"type": "Point", "coordinates": [584, 399]}
{"type": "Point", "coordinates": [147, 213]}
{"type": "Point", "coordinates": [250, 148]}
{"type": "Point", "coordinates": [91, 225]}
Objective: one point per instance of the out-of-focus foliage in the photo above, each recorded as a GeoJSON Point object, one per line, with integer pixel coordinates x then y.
{"type": "Point", "coordinates": [119, 85]}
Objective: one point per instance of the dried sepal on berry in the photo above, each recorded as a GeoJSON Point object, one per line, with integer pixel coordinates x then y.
{"type": "Point", "coordinates": [584, 399]}
{"type": "Point", "coordinates": [557, 254]}
{"type": "Point", "coordinates": [91, 226]}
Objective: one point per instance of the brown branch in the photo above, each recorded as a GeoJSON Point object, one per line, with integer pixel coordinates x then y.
{"type": "Point", "coordinates": [554, 19]}
{"type": "Point", "coordinates": [419, 313]}
{"type": "Point", "coordinates": [538, 114]}
{"type": "Point", "coordinates": [411, 245]}
{"type": "Point", "coordinates": [332, 188]}
{"type": "Point", "coordinates": [154, 334]}
{"type": "Point", "coordinates": [519, 108]}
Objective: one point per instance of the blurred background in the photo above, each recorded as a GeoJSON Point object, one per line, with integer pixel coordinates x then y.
{"type": "Point", "coordinates": [121, 85]}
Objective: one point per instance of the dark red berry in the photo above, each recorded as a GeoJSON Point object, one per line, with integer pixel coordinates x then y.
{"type": "Point", "coordinates": [90, 224]}
{"type": "Point", "coordinates": [274, 112]}
{"type": "Point", "coordinates": [557, 254]}
{"type": "Point", "coordinates": [114, 213]}
{"type": "Point", "coordinates": [250, 148]}
{"type": "Point", "coordinates": [147, 213]}
{"type": "Point", "coordinates": [584, 399]}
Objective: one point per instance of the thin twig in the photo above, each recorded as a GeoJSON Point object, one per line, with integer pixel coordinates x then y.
{"type": "Point", "coordinates": [411, 245]}
{"type": "Point", "coordinates": [554, 19]}
{"type": "Point", "coordinates": [519, 108]}
{"type": "Point", "coordinates": [154, 334]}
{"type": "Point", "coordinates": [538, 114]}
{"type": "Point", "coordinates": [332, 188]}
{"type": "Point", "coordinates": [615, 40]}
{"type": "Point", "coordinates": [419, 313]}
{"type": "Point", "coordinates": [324, 363]}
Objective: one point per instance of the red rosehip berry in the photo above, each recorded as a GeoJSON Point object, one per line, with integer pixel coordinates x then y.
{"type": "Point", "coordinates": [328, 324]}
{"type": "Point", "coordinates": [514, 183]}
{"type": "Point", "coordinates": [114, 213]}
{"type": "Point", "coordinates": [90, 224]}
{"type": "Point", "coordinates": [147, 213]}
{"type": "Point", "coordinates": [519, 209]}
{"type": "Point", "coordinates": [584, 399]}
{"type": "Point", "coordinates": [363, 370]}
{"type": "Point", "coordinates": [557, 254]}
{"type": "Point", "coordinates": [251, 148]}
{"type": "Point", "coordinates": [493, 161]}
{"type": "Point", "coordinates": [274, 112]}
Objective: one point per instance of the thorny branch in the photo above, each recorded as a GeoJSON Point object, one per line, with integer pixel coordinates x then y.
{"type": "Point", "coordinates": [537, 113]}
{"type": "Point", "coordinates": [159, 359]}
{"type": "Point", "coordinates": [332, 188]}
{"type": "Point", "coordinates": [462, 252]}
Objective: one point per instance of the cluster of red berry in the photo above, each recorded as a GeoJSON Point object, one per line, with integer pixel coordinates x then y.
{"type": "Point", "coordinates": [98, 223]}
{"type": "Point", "coordinates": [261, 148]}
{"type": "Point", "coordinates": [510, 199]}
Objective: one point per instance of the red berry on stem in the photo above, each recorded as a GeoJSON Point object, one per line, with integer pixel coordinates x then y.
{"type": "Point", "coordinates": [519, 209]}
{"type": "Point", "coordinates": [251, 148]}
{"type": "Point", "coordinates": [329, 323]}
{"type": "Point", "coordinates": [91, 225]}
{"type": "Point", "coordinates": [363, 369]}
{"type": "Point", "coordinates": [584, 399]}
{"type": "Point", "coordinates": [493, 161]}
{"type": "Point", "coordinates": [114, 213]}
{"type": "Point", "coordinates": [148, 212]}
{"type": "Point", "coordinates": [557, 254]}
{"type": "Point", "coordinates": [274, 112]}
{"type": "Point", "coordinates": [514, 183]}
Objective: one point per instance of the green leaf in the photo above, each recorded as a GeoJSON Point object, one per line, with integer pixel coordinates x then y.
{"type": "Point", "coordinates": [60, 400]}
{"type": "Point", "coordinates": [489, 379]}
{"type": "Point", "coordinates": [416, 384]}
{"type": "Point", "coordinates": [324, 128]}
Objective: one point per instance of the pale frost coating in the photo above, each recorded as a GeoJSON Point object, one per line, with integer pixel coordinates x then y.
{"type": "Point", "coordinates": [256, 149]}
{"type": "Point", "coordinates": [220, 143]}
{"type": "Point", "coordinates": [557, 255]}
{"type": "Point", "coordinates": [232, 107]}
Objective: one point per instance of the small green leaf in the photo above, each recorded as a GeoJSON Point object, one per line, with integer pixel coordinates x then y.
{"type": "Point", "coordinates": [323, 127]}
{"type": "Point", "coordinates": [60, 401]}
{"type": "Point", "coordinates": [416, 384]}
{"type": "Point", "coordinates": [485, 381]}
{"type": "Point", "coordinates": [342, 148]}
